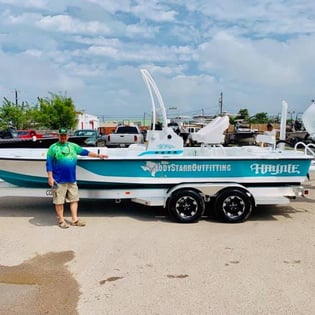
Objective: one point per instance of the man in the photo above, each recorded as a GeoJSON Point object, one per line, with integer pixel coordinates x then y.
{"type": "Point", "coordinates": [61, 169]}
{"type": "Point", "coordinates": [270, 131]}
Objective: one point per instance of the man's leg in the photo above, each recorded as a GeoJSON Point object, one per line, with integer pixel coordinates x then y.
{"type": "Point", "coordinates": [74, 214]}
{"type": "Point", "coordinates": [61, 220]}
{"type": "Point", "coordinates": [59, 200]}
{"type": "Point", "coordinates": [73, 198]}
{"type": "Point", "coordinates": [74, 211]}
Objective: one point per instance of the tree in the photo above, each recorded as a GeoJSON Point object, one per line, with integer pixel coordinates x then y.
{"type": "Point", "coordinates": [50, 112]}
{"type": "Point", "coordinates": [260, 118]}
{"type": "Point", "coordinates": [57, 111]}
{"type": "Point", "coordinates": [243, 114]}
{"type": "Point", "coordinates": [15, 115]}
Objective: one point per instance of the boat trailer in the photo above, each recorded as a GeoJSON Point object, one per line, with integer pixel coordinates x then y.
{"type": "Point", "coordinates": [185, 203]}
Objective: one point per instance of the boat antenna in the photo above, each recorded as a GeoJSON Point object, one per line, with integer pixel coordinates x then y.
{"type": "Point", "coordinates": [154, 91]}
{"type": "Point", "coordinates": [283, 123]}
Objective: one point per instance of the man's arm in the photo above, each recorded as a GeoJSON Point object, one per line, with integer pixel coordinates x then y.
{"type": "Point", "coordinates": [50, 178]}
{"type": "Point", "coordinates": [96, 155]}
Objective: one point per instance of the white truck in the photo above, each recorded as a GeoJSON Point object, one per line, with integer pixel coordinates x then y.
{"type": "Point", "coordinates": [124, 136]}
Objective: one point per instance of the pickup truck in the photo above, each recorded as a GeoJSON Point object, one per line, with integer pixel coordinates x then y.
{"type": "Point", "coordinates": [28, 134]}
{"type": "Point", "coordinates": [124, 136]}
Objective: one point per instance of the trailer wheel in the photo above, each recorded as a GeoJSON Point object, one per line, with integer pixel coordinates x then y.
{"type": "Point", "coordinates": [234, 205]}
{"type": "Point", "coordinates": [186, 206]}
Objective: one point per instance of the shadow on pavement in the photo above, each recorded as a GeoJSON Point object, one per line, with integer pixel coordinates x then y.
{"type": "Point", "coordinates": [42, 213]}
{"type": "Point", "coordinates": [41, 210]}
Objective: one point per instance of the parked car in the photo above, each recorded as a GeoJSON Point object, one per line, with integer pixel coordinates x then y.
{"type": "Point", "coordinates": [50, 134]}
{"type": "Point", "coordinates": [8, 133]}
{"type": "Point", "coordinates": [28, 134]}
{"type": "Point", "coordinates": [95, 139]}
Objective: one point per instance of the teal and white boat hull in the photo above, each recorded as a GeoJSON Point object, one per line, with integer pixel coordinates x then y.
{"type": "Point", "coordinates": [123, 169]}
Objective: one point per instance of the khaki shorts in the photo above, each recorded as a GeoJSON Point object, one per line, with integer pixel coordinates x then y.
{"type": "Point", "coordinates": [68, 192]}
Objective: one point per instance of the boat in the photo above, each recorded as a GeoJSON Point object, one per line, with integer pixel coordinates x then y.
{"type": "Point", "coordinates": [163, 167]}
{"type": "Point", "coordinates": [12, 138]}
{"type": "Point", "coordinates": [35, 142]}
{"type": "Point", "coordinates": [163, 162]}
{"type": "Point", "coordinates": [243, 134]}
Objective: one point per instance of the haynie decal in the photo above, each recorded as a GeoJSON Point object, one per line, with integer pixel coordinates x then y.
{"type": "Point", "coordinates": [153, 167]}
{"type": "Point", "coordinates": [275, 169]}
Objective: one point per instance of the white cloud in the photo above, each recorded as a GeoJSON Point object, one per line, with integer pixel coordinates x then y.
{"type": "Point", "coordinates": [141, 31]}
{"type": "Point", "coordinates": [145, 10]}
{"type": "Point", "coordinates": [68, 24]}
{"type": "Point", "coordinates": [104, 51]}
{"type": "Point", "coordinates": [40, 4]}
{"type": "Point", "coordinates": [33, 52]}
{"type": "Point", "coordinates": [33, 77]}
{"type": "Point", "coordinates": [113, 6]}
{"type": "Point", "coordinates": [153, 10]}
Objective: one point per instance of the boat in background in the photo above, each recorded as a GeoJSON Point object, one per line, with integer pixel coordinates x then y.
{"type": "Point", "coordinates": [35, 142]}
{"type": "Point", "coordinates": [186, 178]}
{"type": "Point", "coordinates": [243, 134]}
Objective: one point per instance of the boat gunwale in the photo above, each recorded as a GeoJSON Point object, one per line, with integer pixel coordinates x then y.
{"type": "Point", "coordinates": [174, 158]}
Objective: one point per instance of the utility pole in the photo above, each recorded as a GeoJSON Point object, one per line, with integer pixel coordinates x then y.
{"type": "Point", "coordinates": [16, 97]}
{"type": "Point", "coordinates": [221, 102]}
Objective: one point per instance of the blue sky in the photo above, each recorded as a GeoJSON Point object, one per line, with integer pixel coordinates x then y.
{"type": "Point", "coordinates": [257, 53]}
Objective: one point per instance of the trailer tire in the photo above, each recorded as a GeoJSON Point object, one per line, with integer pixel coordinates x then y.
{"type": "Point", "coordinates": [233, 205]}
{"type": "Point", "coordinates": [186, 206]}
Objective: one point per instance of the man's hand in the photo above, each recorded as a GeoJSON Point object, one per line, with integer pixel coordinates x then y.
{"type": "Point", "coordinates": [51, 181]}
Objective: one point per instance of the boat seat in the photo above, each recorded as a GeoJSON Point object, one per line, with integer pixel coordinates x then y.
{"type": "Point", "coordinates": [266, 139]}
{"type": "Point", "coordinates": [164, 141]}
{"type": "Point", "coordinates": [213, 132]}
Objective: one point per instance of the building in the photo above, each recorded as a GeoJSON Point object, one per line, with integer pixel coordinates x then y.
{"type": "Point", "coordinates": [87, 121]}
